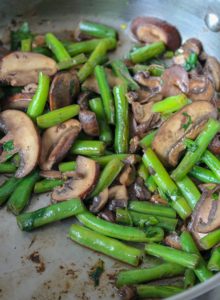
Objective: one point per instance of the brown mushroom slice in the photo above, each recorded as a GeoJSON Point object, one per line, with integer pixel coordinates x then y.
{"type": "Point", "coordinates": [173, 240]}
{"type": "Point", "coordinates": [214, 146]}
{"type": "Point", "coordinates": [127, 176]}
{"type": "Point", "coordinates": [187, 123]}
{"type": "Point", "coordinates": [73, 188]}
{"type": "Point", "coordinates": [175, 80]}
{"type": "Point", "coordinates": [150, 30]}
{"type": "Point", "coordinates": [52, 174]}
{"type": "Point", "coordinates": [212, 66]}
{"type": "Point", "coordinates": [20, 129]}
{"type": "Point", "coordinates": [56, 142]}
{"type": "Point", "coordinates": [192, 45]}
{"type": "Point", "coordinates": [89, 122]}
{"type": "Point", "coordinates": [206, 215]}
{"type": "Point", "coordinates": [151, 82]}
{"type": "Point", "coordinates": [142, 112]}
{"type": "Point", "coordinates": [157, 199]}
{"type": "Point", "coordinates": [99, 201]}
{"type": "Point", "coordinates": [118, 197]}
{"type": "Point", "coordinates": [18, 101]}
{"type": "Point", "coordinates": [63, 90]}
{"type": "Point", "coordinates": [21, 68]}
{"type": "Point", "coordinates": [83, 100]}
{"type": "Point", "coordinates": [138, 191]}
{"type": "Point", "coordinates": [107, 215]}
{"type": "Point", "coordinates": [143, 96]}
{"type": "Point", "coordinates": [201, 89]}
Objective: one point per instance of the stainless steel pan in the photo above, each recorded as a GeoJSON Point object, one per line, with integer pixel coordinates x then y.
{"type": "Point", "coordinates": [60, 268]}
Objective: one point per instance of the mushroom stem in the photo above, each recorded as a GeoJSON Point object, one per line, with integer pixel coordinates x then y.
{"type": "Point", "coordinates": [147, 52]}
{"type": "Point", "coordinates": [189, 191]}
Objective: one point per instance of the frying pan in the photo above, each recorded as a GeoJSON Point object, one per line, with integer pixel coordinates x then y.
{"type": "Point", "coordinates": [45, 264]}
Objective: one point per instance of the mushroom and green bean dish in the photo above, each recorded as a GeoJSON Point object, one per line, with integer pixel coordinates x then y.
{"type": "Point", "coordinates": [127, 147]}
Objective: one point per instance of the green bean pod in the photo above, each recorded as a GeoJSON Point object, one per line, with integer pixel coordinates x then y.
{"type": "Point", "coordinates": [7, 188]}
{"type": "Point", "coordinates": [47, 185]}
{"type": "Point", "coordinates": [155, 291]}
{"type": "Point", "coordinates": [204, 175]}
{"type": "Point", "coordinates": [97, 30]}
{"type": "Point", "coordinates": [88, 148]}
{"type": "Point", "coordinates": [67, 166]}
{"type": "Point", "coordinates": [147, 52]}
{"type": "Point", "coordinates": [189, 191]}
{"type": "Point", "coordinates": [56, 47]}
{"type": "Point", "coordinates": [214, 261]}
{"type": "Point", "coordinates": [74, 61]}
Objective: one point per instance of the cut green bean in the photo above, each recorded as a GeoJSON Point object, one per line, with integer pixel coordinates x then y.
{"type": "Point", "coordinates": [47, 185]}
{"type": "Point", "coordinates": [97, 30]}
{"type": "Point", "coordinates": [56, 47]}
{"type": "Point", "coordinates": [152, 209]}
{"type": "Point", "coordinates": [164, 270]}
{"type": "Point", "coordinates": [74, 61]}
{"type": "Point", "coordinates": [38, 102]}
{"type": "Point", "coordinates": [104, 160]}
{"type": "Point", "coordinates": [214, 261]}
{"type": "Point", "coordinates": [154, 234]}
{"type": "Point", "coordinates": [122, 72]}
{"type": "Point", "coordinates": [155, 291]}
{"type": "Point", "coordinates": [88, 148]}
{"type": "Point", "coordinates": [26, 45]}
{"type": "Point", "coordinates": [170, 104]}
{"type": "Point", "coordinates": [106, 245]}
{"type": "Point", "coordinates": [67, 166]}
{"type": "Point", "coordinates": [58, 116]}
{"type": "Point", "coordinates": [148, 139]}
{"type": "Point", "coordinates": [52, 213]}
{"type": "Point", "coordinates": [189, 191]}
{"type": "Point", "coordinates": [121, 120]}
{"type": "Point", "coordinates": [42, 50]}
{"type": "Point", "coordinates": [151, 184]}
{"type": "Point", "coordinates": [193, 156]}
{"type": "Point", "coordinates": [212, 162]}
{"type": "Point", "coordinates": [166, 184]}
{"type": "Point", "coordinates": [7, 188]}
{"type": "Point", "coordinates": [22, 193]}
{"type": "Point", "coordinates": [7, 167]}
{"type": "Point", "coordinates": [211, 239]}
{"type": "Point", "coordinates": [108, 175]}
{"type": "Point", "coordinates": [147, 52]}
{"type": "Point", "coordinates": [204, 175]}
{"type": "Point", "coordinates": [143, 172]}
{"type": "Point", "coordinates": [154, 70]}
{"type": "Point", "coordinates": [189, 278]}
{"type": "Point", "coordinates": [189, 245]}
{"type": "Point", "coordinates": [107, 97]}
{"type": "Point", "coordinates": [117, 231]}
{"type": "Point", "coordinates": [105, 130]}
{"type": "Point", "coordinates": [172, 255]}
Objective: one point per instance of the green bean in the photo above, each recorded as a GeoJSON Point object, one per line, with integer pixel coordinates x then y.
{"type": "Point", "coordinates": [166, 184]}
{"type": "Point", "coordinates": [147, 52]}
{"type": "Point", "coordinates": [104, 160]}
{"type": "Point", "coordinates": [122, 72]}
{"type": "Point", "coordinates": [105, 130]}
{"type": "Point", "coordinates": [148, 139]}
{"type": "Point", "coordinates": [38, 102]}
{"type": "Point", "coordinates": [189, 191]}
{"type": "Point", "coordinates": [155, 291]}
{"type": "Point", "coordinates": [154, 70]}
{"type": "Point", "coordinates": [212, 162]}
{"type": "Point", "coordinates": [154, 234]}
{"type": "Point", "coordinates": [46, 185]}
{"type": "Point", "coordinates": [7, 188]}
{"type": "Point", "coordinates": [108, 175]}
{"type": "Point", "coordinates": [74, 61]}
{"type": "Point", "coordinates": [52, 213]}
{"type": "Point", "coordinates": [7, 167]}
{"type": "Point", "coordinates": [121, 120]}
{"type": "Point", "coordinates": [192, 157]}
{"type": "Point", "coordinates": [88, 148]}
{"type": "Point", "coordinates": [172, 255]}
{"type": "Point", "coordinates": [152, 209]}
{"type": "Point", "coordinates": [136, 276]}
{"type": "Point", "coordinates": [56, 47]}
{"type": "Point", "coordinates": [97, 30]}
{"type": "Point", "coordinates": [58, 116]}
{"type": "Point", "coordinates": [211, 239]}
{"type": "Point", "coordinates": [151, 184]}
{"type": "Point", "coordinates": [189, 278]}
{"type": "Point", "coordinates": [67, 166]}
{"type": "Point", "coordinates": [214, 261]}
{"type": "Point", "coordinates": [143, 172]}
{"type": "Point", "coordinates": [107, 98]}
{"type": "Point", "coordinates": [117, 231]}
{"type": "Point", "coordinates": [106, 245]}
{"type": "Point", "coordinates": [43, 50]}
{"type": "Point", "coordinates": [26, 45]}
{"type": "Point", "coordinates": [170, 104]}
{"type": "Point", "coordinates": [22, 193]}
{"type": "Point", "coordinates": [204, 175]}
{"type": "Point", "coordinates": [189, 245]}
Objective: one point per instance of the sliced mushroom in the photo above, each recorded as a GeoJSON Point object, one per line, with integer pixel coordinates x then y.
{"type": "Point", "coordinates": [30, 88]}
{"type": "Point", "coordinates": [99, 202]}
{"type": "Point", "coordinates": [173, 240]}
{"type": "Point", "coordinates": [18, 101]}
{"type": "Point", "coordinates": [127, 175]}
{"type": "Point", "coordinates": [192, 45]}
{"type": "Point", "coordinates": [153, 83]}
{"type": "Point", "coordinates": [138, 191]}
{"type": "Point", "coordinates": [20, 129]}
{"type": "Point", "coordinates": [73, 188]}
{"type": "Point", "coordinates": [118, 197]}
{"type": "Point", "coordinates": [107, 215]}
{"type": "Point", "coordinates": [141, 130]}
{"type": "Point", "coordinates": [52, 174]}
{"type": "Point", "coordinates": [212, 66]}
{"type": "Point", "coordinates": [21, 68]}
{"type": "Point", "coordinates": [134, 144]}
{"type": "Point", "coordinates": [89, 122]}
{"type": "Point", "coordinates": [63, 90]}
{"type": "Point", "coordinates": [142, 112]}
{"type": "Point", "coordinates": [187, 123]}
{"type": "Point", "coordinates": [174, 81]}
{"type": "Point", "coordinates": [56, 142]}
{"type": "Point", "coordinates": [201, 89]}
{"type": "Point", "coordinates": [157, 199]}
{"type": "Point", "coordinates": [150, 30]}
{"type": "Point", "coordinates": [83, 99]}
{"type": "Point", "coordinates": [206, 215]}
{"type": "Point", "coordinates": [143, 96]}
{"type": "Point", "coordinates": [214, 146]}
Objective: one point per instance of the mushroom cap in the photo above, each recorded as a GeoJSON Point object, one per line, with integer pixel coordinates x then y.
{"type": "Point", "coordinates": [21, 68]}
{"type": "Point", "coordinates": [212, 66]}
{"type": "Point", "coordinates": [201, 88]}
{"type": "Point", "coordinates": [99, 201]}
{"type": "Point", "coordinates": [88, 170]}
{"type": "Point", "coordinates": [89, 122]}
{"type": "Point", "coordinates": [19, 127]}
{"type": "Point", "coordinates": [56, 142]}
{"type": "Point", "coordinates": [168, 142]}
{"type": "Point", "coordinates": [17, 101]}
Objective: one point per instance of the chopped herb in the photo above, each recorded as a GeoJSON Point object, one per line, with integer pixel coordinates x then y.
{"type": "Point", "coordinates": [97, 271]}
{"type": "Point", "coordinates": [17, 36]}
{"type": "Point", "coordinates": [215, 196]}
{"type": "Point", "coordinates": [191, 145]}
{"type": "Point", "coordinates": [191, 62]}
{"type": "Point", "coordinates": [8, 146]}
{"type": "Point", "coordinates": [188, 121]}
